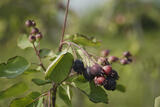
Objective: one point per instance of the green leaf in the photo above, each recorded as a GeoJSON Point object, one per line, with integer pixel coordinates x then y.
{"type": "Point", "coordinates": [14, 90]}
{"type": "Point", "coordinates": [157, 102]}
{"type": "Point", "coordinates": [60, 68]}
{"type": "Point", "coordinates": [41, 82]}
{"type": "Point", "coordinates": [45, 53]}
{"type": "Point", "coordinates": [23, 102]}
{"type": "Point", "coordinates": [28, 71]}
{"type": "Point", "coordinates": [95, 93]}
{"type": "Point", "coordinates": [23, 42]}
{"type": "Point", "coordinates": [14, 67]}
{"type": "Point", "coordinates": [81, 83]}
{"type": "Point", "coordinates": [64, 96]}
{"type": "Point", "coordinates": [85, 41]}
{"type": "Point", "coordinates": [120, 88]}
{"type": "Point", "coordinates": [98, 94]}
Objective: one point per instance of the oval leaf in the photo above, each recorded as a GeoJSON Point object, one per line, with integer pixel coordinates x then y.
{"type": "Point", "coordinates": [40, 82]}
{"type": "Point", "coordinates": [120, 88]}
{"type": "Point", "coordinates": [14, 67]}
{"type": "Point", "coordinates": [64, 96]}
{"type": "Point", "coordinates": [59, 69]}
{"type": "Point", "coordinates": [45, 53]}
{"type": "Point", "coordinates": [85, 41]}
{"type": "Point", "coordinates": [14, 90]}
{"type": "Point", "coordinates": [23, 102]}
{"type": "Point", "coordinates": [95, 93]}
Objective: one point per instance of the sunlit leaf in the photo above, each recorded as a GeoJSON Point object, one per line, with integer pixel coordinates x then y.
{"type": "Point", "coordinates": [85, 41]}
{"type": "Point", "coordinates": [59, 69]}
{"type": "Point", "coordinates": [40, 82]}
{"type": "Point", "coordinates": [23, 42]}
{"type": "Point", "coordinates": [23, 102]}
{"type": "Point", "coordinates": [14, 67]}
{"type": "Point", "coordinates": [14, 90]}
{"type": "Point", "coordinates": [157, 102]}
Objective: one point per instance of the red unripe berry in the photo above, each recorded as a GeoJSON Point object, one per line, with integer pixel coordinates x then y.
{"type": "Point", "coordinates": [112, 59]}
{"type": "Point", "coordinates": [99, 80]}
{"type": "Point", "coordinates": [107, 69]}
{"type": "Point", "coordinates": [105, 53]}
{"type": "Point", "coordinates": [28, 23]}
{"type": "Point", "coordinates": [32, 38]}
{"type": "Point", "coordinates": [39, 36]}
{"type": "Point", "coordinates": [95, 70]}
{"type": "Point", "coordinates": [124, 61]}
{"type": "Point", "coordinates": [127, 54]}
{"type": "Point", "coordinates": [34, 31]}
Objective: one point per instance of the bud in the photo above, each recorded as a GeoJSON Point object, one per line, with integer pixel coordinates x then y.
{"type": "Point", "coordinates": [34, 31]}
{"type": "Point", "coordinates": [32, 38]}
{"type": "Point", "coordinates": [28, 23]}
{"type": "Point", "coordinates": [39, 36]}
{"type": "Point", "coordinates": [112, 59]}
{"type": "Point", "coordinates": [33, 23]}
{"type": "Point", "coordinates": [127, 54]}
{"type": "Point", "coordinates": [124, 61]}
{"type": "Point", "coordinates": [103, 61]}
{"type": "Point", "coordinates": [105, 53]}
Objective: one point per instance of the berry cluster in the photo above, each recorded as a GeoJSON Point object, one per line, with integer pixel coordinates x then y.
{"type": "Point", "coordinates": [35, 35]}
{"type": "Point", "coordinates": [102, 72]}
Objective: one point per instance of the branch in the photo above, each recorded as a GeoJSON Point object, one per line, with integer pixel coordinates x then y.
{"type": "Point", "coordinates": [37, 53]}
{"type": "Point", "coordinates": [64, 26]}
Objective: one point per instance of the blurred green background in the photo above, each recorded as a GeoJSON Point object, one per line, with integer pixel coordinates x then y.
{"type": "Point", "coordinates": [122, 25]}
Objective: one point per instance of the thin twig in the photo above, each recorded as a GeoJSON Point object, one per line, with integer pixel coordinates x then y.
{"type": "Point", "coordinates": [37, 53]}
{"type": "Point", "coordinates": [64, 26]}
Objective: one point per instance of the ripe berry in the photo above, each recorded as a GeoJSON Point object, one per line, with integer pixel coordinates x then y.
{"type": "Point", "coordinates": [127, 54]}
{"type": "Point", "coordinates": [32, 38]}
{"type": "Point", "coordinates": [124, 61]}
{"type": "Point", "coordinates": [103, 61]}
{"type": "Point", "coordinates": [105, 53]}
{"type": "Point", "coordinates": [33, 23]}
{"type": "Point", "coordinates": [39, 36]}
{"type": "Point", "coordinates": [78, 66]}
{"type": "Point", "coordinates": [107, 69]}
{"type": "Point", "coordinates": [34, 31]}
{"type": "Point", "coordinates": [112, 59]}
{"type": "Point", "coordinates": [109, 84]}
{"type": "Point", "coordinates": [28, 23]}
{"type": "Point", "coordinates": [96, 70]}
{"type": "Point", "coordinates": [99, 80]}
{"type": "Point", "coordinates": [87, 75]}
{"type": "Point", "coordinates": [113, 74]}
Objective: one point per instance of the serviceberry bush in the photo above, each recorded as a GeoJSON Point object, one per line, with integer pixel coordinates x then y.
{"type": "Point", "coordinates": [71, 67]}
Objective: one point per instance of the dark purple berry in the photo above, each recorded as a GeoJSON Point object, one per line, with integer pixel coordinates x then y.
{"type": "Point", "coordinates": [28, 23]}
{"type": "Point", "coordinates": [124, 61]}
{"type": "Point", "coordinates": [96, 70]}
{"type": "Point", "coordinates": [33, 23]}
{"type": "Point", "coordinates": [105, 53]}
{"type": "Point", "coordinates": [34, 31]}
{"type": "Point", "coordinates": [32, 38]}
{"type": "Point", "coordinates": [78, 66]}
{"type": "Point", "coordinates": [99, 80]}
{"type": "Point", "coordinates": [113, 74]}
{"type": "Point", "coordinates": [129, 60]}
{"type": "Point", "coordinates": [39, 36]}
{"type": "Point", "coordinates": [87, 75]}
{"type": "Point", "coordinates": [103, 61]}
{"type": "Point", "coordinates": [109, 84]}
{"type": "Point", "coordinates": [127, 54]}
{"type": "Point", "coordinates": [112, 59]}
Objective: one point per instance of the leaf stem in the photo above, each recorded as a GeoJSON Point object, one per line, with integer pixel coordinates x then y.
{"type": "Point", "coordinates": [37, 53]}
{"type": "Point", "coordinates": [64, 26]}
